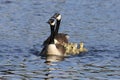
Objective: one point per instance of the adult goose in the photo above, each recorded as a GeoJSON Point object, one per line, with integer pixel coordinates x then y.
{"type": "Point", "coordinates": [52, 49]}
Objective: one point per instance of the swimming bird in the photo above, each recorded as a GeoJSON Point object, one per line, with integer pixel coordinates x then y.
{"type": "Point", "coordinates": [82, 49]}
{"type": "Point", "coordinates": [59, 37]}
{"type": "Point", "coordinates": [52, 49]}
{"type": "Point", "coordinates": [74, 49]}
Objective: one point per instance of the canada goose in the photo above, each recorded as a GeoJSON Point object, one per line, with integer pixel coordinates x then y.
{"type": "Point", "coordinates": [52, 49]}
{"type": "Point", "coordinates": [59, 37]}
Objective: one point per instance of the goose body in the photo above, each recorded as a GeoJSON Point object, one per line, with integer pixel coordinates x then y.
{"type": "Point", "coordinates": [52, 49]}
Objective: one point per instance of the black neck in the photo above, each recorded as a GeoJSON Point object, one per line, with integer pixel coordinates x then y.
{"type": "Point", "coordinates": [52, 35]}
{"type": "Point", "coordinates": [57, 26]}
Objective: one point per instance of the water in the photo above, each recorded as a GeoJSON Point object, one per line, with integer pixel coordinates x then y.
{"type": "Point", "coordinates": [23, 28]}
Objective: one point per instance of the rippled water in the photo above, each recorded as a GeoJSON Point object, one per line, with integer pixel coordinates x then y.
{"type": "Point", "coordinates": [23, 28]}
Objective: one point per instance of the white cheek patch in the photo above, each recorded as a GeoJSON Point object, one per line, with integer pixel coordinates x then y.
{"type": "Point", "coordinates": [59, 17]}
{"type": "Point", "coordinates": [53, 23]}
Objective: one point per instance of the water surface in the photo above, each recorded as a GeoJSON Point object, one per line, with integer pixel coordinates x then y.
{"type": "Point", "coordinates": [23, 28]}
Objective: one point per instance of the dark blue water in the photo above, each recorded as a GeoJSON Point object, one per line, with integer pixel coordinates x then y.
{"type": "Point", "coordinates": [23, 28]}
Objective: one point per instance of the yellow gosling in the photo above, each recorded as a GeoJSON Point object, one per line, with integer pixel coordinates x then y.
{"type": "Point", "coordinates": [82, 49]}
{"type": "Point", "coordinates": [76, 52]}
{"type": "Point", "coordinates": [72, 48]}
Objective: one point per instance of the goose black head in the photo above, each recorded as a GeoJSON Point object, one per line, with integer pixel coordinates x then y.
{"type": "Point", "coordinates": [57, 16]}
{"type": "Point", "coordinates": [51, 21]}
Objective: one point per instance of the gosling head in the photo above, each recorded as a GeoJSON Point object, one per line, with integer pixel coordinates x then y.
{"type": "Point", "coordinates": [81, 44]}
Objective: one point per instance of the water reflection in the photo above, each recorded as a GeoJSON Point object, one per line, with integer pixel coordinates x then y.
{"type": "Point", "coordinates": [53, 58]}
{"type": "Point", "coordinates": [6, 2]}
{"type": "Point", "coordinates": [55, 72]}
{"type": "Point", "coordinates": [48, 74]}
